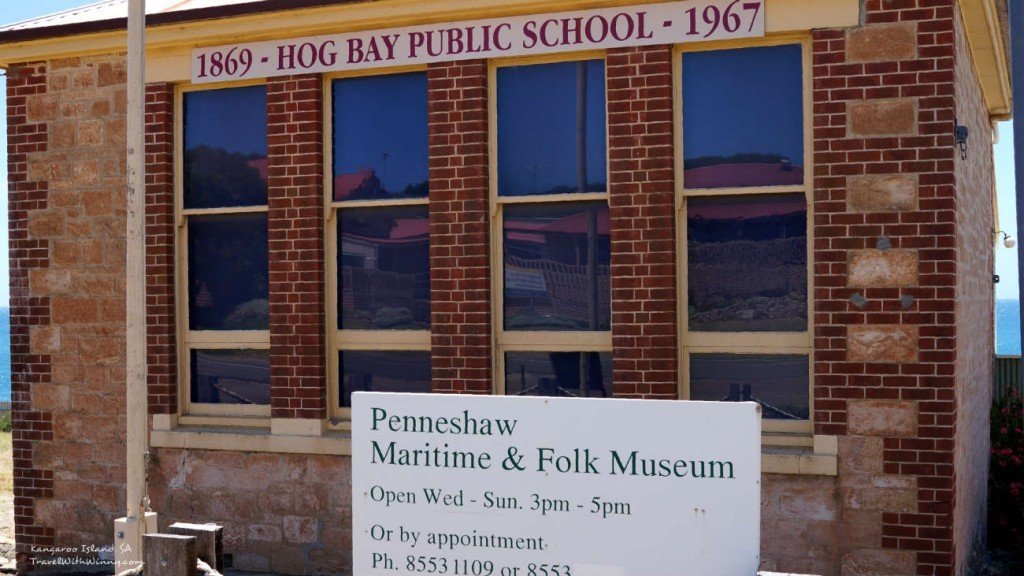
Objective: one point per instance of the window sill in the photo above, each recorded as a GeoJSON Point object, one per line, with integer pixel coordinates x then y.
{"type": "Point", "coordinates": [251, 440]}
{"type": "Point", "coordinates": [802, 461]}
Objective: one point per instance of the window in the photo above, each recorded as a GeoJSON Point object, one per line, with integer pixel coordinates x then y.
{"type": "Point", "coordinates": [744, 229]}
{"type": "Point", "coordinates": [379, 236]}
{"type": "Point", "coordinates": [223, 249]}
{"type": "Point", "coordinates": [551, 235]}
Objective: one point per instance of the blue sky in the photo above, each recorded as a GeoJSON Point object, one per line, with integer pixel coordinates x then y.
{"type": "Point", "coordinates": [1006, 260]}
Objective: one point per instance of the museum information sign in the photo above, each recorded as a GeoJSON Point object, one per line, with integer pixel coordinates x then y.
{"type": "Point", "coordinates": [518, 486]}
{"type": "Point", "coordinates": [668, 23]}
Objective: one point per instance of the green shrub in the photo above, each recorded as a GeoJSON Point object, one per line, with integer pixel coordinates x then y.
{"type": "Point", "coordinates": [5, 421]}
{"type": "Point", "coordinates": [1006, 474]}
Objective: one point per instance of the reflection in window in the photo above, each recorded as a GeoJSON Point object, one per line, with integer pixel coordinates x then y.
{"type": "Point", "coordinates": [747, 260]}
{"type": "Point", "coordinates": [230, 376]}
{"type": "Point", "coordinates": [225, 133]}
{"type": "Point", "coordinates": [743, 117]}
{"type": "Point", "coordinates": [778, 382]}
{"type": "Point", "coordinates": [556, 266]}
{"type": "Point", "coordinates": [386, 371]}
{"type": "Point", "coordinates": [384, 268]}
{"type": "Point", "coordinates": [573, 374]}
{"type": "Point", "coordinates": [551, 128]}
{"type": "Point", "coordinates": [227, 272]}
{"type": "Point", "coordinates": [380, 137]}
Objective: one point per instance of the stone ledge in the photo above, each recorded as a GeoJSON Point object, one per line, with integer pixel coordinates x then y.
{"type": "Point", "coordinates": [802, 461]}
{"type": "Point", "coordinates": [251, 440]}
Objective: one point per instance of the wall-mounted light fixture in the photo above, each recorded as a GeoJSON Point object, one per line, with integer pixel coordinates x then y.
{"type": "Point", "coordinates": [961, 133]}
{"type": "Point", "coordinates": [1008, 240]}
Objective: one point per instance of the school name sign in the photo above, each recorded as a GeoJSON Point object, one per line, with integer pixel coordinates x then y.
{"type": "Point", "coordinates": [518, 486]}
{"type": "Point", "coordinates": [667, 23]}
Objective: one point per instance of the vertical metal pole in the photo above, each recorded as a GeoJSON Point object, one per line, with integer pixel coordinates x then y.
{"type": "Point", "coordinates": [129, 530]}
{"type": "Point", "coordinates": [1017, 73]}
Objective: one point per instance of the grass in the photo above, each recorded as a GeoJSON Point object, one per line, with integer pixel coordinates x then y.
{"type": "Point", "coordinates": [6, 464]}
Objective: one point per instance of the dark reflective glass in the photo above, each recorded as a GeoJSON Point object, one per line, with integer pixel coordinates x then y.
{"type": "Point", "coordinates": [225, 147]}
{"type": "Point", "coordinates": [747, 263]}
{"type": "Point", "coordinates": [384, 371]}
{"type": "Point", "coordinates": [557, 258]}
{"type": "Point", "coordinates": [779, 383]}
{"type": "Point", "coordinates": [743, 122]}
{"type": "Point", "coordinates": [384, 268]}
{"type": "Point", "coordinates": [227, 272]}
{"type": "Point", "coordinates": [380, 137]}
{"type": "Point", "coordinates": [231, 376]}
{"type": "Point", "coordinates": [573, 374]}
{"type": "Point", "coordinates": [551, 128]}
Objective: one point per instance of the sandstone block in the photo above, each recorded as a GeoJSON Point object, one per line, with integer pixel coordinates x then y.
{"type": "Point", "coordinates": [44, 339]}
{"type": "Point", "coordinates": [882, 269]}
{"type": "Point", "coordinates": [882, 343]}
{"type": "Point", "coordinates": [815, 501]}
{"type": "Point", "coordinates": [41, 107]}
{"type": "Point", "coordinates": [860, 454]}
{"type": "Point", "coordinates": [881, 193]}
{"type": "Point", "coordinates": [897, 117]}
{"type": "Point", "coordinates": [299, 529]}
{"type": "Point", "coordinates": [46, 282]}
{"type": "Point", "coordinates": [882, 417]}
{"type": "Point", "coordinates": [68, 310]}
{"type": "Point", "coordinates": [112, 73]}
{"type": "Point", "coordinates": [878, 562]}
{"type": "Point", "coordinates": [882, 43]}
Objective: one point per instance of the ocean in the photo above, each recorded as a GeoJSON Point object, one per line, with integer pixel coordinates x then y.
{"type": "Point", "coordinates": [1008, 327]}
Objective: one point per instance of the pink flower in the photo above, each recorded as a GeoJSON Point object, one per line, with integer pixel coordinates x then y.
{"type": "Point", "coordinates": [1003, 430]}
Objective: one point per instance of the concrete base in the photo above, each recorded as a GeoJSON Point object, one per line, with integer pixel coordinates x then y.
{"type": "Point", "coordinates": [128, 540]}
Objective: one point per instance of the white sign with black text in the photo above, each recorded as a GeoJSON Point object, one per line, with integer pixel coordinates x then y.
{"type": "Point", "coordinates": [599, 29]}
{"type": "Point", "coordinates": [528, 486]}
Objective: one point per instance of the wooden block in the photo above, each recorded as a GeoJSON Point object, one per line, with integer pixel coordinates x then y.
{"type": "Point", "coordinates": [209, 541]}
{"type": "Point", "coordinates": [169, 555]}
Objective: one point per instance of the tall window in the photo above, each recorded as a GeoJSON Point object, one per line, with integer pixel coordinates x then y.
{"type": "Point", "coordinates": [380, 235]}
{"type": "Point", "coordinates": [549, 194]}
{"type": "Point", "coordinates": [745, 197]}
{"type": "Point", "coordinates": [223, 246]}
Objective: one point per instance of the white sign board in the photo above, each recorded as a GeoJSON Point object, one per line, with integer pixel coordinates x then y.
{"type": "Point", "coordinates": [644, 25]}
{"type": "Point", "coordinates": [517, 486]}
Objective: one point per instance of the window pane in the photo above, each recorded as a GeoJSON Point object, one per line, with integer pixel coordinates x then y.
{"type": "Point", "coordinates": [384, 268]}
{"type": "Point", "coordinates": [226, 147]}
{"type": "Point", "coordinates": [747, 263]}
{"type": "Point", "coordinates": [227, 272]}
{"type": "Point", "coordinates": [387, 371]}
{"type": "Point", "coordinates": [380, 137]}
{"type": "Point", "coordinates": [231, 376]}
{"type": "Point", "coordinates": [557, 258]}
{"type": "Point", "coordinates": [574, 374]}
{"type": "Point", "coordinates": [779, 383]}
{"type": "Point", "coordinates": [551, 128]}
{"type": "Point", "coordinates": [743, 121]}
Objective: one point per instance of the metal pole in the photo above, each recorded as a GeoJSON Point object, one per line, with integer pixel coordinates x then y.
{"type": "Point", "coordinates": [1017, 73]}
{"type": "Point", "coordinates": [129, 530]}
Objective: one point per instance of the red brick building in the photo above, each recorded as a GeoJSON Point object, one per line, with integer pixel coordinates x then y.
{"type": "Point", "coordinates": [785, 218]}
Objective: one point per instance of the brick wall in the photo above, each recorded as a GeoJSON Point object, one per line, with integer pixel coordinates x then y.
{"type": "Point", "coordinates": [162, 368]}
{"type": "Point", "coordinates": [975, 188]}
{"type": "Point", "coordinates": [67, 267]}
{"type": "Point", "coordinates": [460, 276]}
{"type": "Point", "coordinates": [296, 242]}
{"type": "Point", "coordinates": [641, 197]}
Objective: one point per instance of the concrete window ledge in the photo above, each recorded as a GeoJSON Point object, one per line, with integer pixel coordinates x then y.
{"type": "Point", "coordinates": [251, 440]}
{"type": "Point", "coordinates": [797, 461]}
{"type": "Point", "coordinates": [780, 574]}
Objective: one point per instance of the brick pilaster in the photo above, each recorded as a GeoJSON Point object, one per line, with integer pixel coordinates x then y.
{"type": "Point", "coordinates": [641, 196]}
{"type": "Point", "coordinates": [28, 134]}
{"type": "Point", "coordinates": [160, 311]}
{"type": "Point", "coordinates": [459, 249]}
{"type": "Point", "coordinates": [295, 164]}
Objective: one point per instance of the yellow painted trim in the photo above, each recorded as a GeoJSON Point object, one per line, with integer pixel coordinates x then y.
{"type": "Point", "coordinates": [251, 440]}
{"type": "Point", "coordinates": [169, 45]}
{"type": "Point", "coordinates": [748, 342]}
{"type": "Point", "coordinates": [984, 37]}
